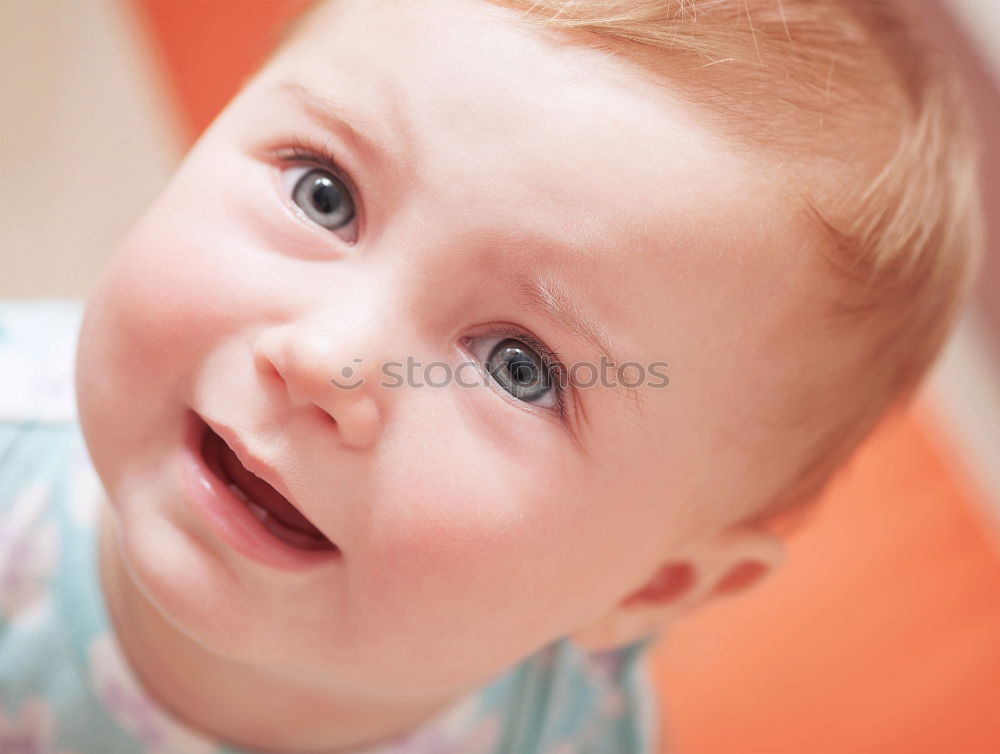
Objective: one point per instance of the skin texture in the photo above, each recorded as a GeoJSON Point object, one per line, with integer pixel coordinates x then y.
{"type": "Point", "coordinates": [473, 528]}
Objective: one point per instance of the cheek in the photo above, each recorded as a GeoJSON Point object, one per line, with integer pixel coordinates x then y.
{"type": "Point", "coordinates": [176, 285]}
{"type": "Point", "coordinates": [460, 529]}
{"type": "Point", "coordinates": [453, 523]}
{"type": "Point", "coordinates": [518, 545]}
{"type": "Point", "coordinates": [145, 315]}
{"type": "Point", "coordinates": [470, 485]}
{"type": "Point", "coordinates": [148, 323]}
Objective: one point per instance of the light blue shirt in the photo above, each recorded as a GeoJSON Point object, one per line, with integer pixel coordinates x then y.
{"type": "Point", "coordinates": [65, 685]}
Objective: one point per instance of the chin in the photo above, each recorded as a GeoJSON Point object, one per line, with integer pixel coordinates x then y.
{"type": "Point", "coordinates": [186, 583]}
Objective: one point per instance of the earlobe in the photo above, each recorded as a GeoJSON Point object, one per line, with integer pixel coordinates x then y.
{"type": "Point", "coordinates": [670, 583]}
{"type": "Point", "coordinates": [741, 577]}
{"type": "Point", "coordinates": [731, 562]}
{"type": "Point", "coordinates": [642, 612]}
{"type": "Point", "coordinates": [744, 557]}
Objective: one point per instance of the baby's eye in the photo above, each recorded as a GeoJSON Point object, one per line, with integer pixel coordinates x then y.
{"type": "Point", "coordinates": [518, 368]}
{"type": "Point", "coordinates": [324, 199]}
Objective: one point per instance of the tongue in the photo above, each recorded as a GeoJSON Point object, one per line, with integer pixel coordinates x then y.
{"type": "Point", "coordinates": [265, 495]}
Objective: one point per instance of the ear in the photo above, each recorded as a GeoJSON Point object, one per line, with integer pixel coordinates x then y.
{"type": "Point", "coordinates": [728, 563]}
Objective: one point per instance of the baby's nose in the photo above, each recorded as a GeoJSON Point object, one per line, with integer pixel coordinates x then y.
{"type": "Point", "coordinates": [318, 366]}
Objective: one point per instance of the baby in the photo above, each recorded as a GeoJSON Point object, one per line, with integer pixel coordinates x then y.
{"type": "Point", "coordinates": [473, 344]}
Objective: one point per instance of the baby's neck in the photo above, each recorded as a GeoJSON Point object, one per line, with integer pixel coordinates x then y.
{"type": "Point", "coordinates": [241, 704]}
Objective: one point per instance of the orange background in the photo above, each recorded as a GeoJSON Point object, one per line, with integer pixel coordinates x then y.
{"type": "Point", "coordinates": [882, 631]}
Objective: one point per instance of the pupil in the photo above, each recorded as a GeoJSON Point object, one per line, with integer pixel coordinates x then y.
{"type": "Point", "coordinates": [523, 371]}
{"type": "Point", "coordinates": [326, 198]}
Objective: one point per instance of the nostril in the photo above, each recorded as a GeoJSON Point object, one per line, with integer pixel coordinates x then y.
{"type": "Point", "coordinates": [267, 369]}
{"type": "Point", "coordinates": [272, 371]}
{"type": "Point", "coordinates": [327, 416]}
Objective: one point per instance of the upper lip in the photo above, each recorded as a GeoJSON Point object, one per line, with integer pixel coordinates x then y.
{"type": "Point", "coordinates": [252, 462]}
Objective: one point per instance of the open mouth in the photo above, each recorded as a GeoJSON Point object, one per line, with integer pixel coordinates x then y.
{"type": "Point", "coordinates": [282, 519]}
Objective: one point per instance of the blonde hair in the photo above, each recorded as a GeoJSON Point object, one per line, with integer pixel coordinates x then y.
{"type": "Point", "coordinates": [874, 132]}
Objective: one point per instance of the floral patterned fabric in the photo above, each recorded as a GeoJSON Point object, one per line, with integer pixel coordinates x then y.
{"type": "Point", "coordinates": [65, 685]}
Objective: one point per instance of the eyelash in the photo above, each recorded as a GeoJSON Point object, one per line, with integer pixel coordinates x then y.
{"type": "Point", "coordinates": [303, 149]}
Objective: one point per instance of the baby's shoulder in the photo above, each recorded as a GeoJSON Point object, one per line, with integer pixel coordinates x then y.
{"type": "Point", "coordinates": [38, 443]}
{"type": "Point", "coordinates": [47, 494]}
{"type": "Point", "coordinates": [33, 654]}
{"type": "Point", "coordinates": [568, 700]}
{"type": "Point", "coordinates": [37, 358]}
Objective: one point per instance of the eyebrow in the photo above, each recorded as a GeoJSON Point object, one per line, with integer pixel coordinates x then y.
{"type": "Point", "coordinates": [543, 295]}
{"type": "Point", "coordinates": [324, 111]}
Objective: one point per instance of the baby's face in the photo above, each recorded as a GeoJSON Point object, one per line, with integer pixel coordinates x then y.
{"type": "Point", "coordinates": [502, 186]}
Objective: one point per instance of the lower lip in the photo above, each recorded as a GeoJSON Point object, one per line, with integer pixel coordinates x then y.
{"type": "Point", "coordinates": [228, 516]}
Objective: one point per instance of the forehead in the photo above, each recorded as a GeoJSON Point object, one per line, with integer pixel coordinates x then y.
{"type": "Point", "coordinates": [443, 85]}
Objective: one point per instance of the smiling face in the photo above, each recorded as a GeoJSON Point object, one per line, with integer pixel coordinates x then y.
{"type": "Point", "coordinates": [497, 185]}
